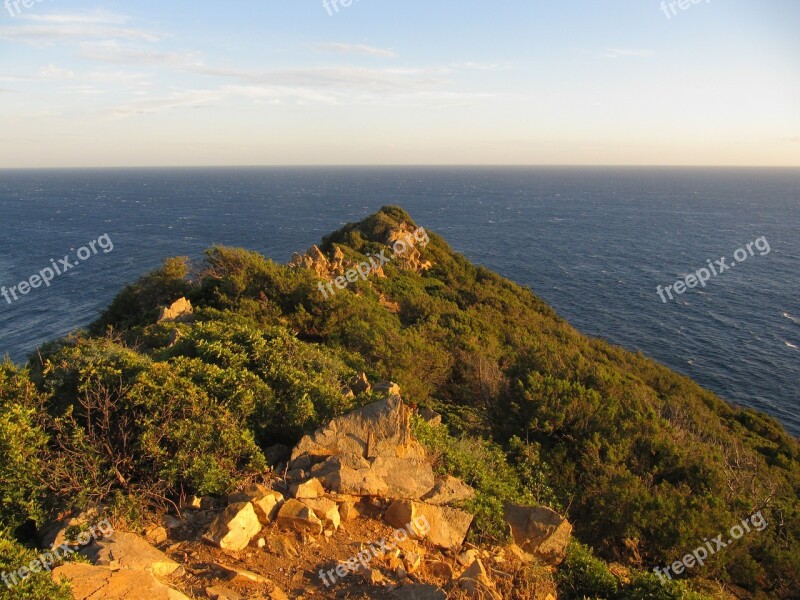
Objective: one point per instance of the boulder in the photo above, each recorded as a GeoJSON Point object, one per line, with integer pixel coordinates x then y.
{"type": "Point", "coordinates": [326, 510]}
{"type": "Point", "coordinates": [128, 551]}
{"type": "Point", "coordinates": [180, 310]}
{"type": "Point", "coordinates": [264, 500]}
{"type": "Point", "coordinates": [234, 527]}
{"type": "Point", "coordinates": [539, 532]}
{"type": "Point", "coordinates": [448, 490]}
{"type": "Point", "coordinates": [368, 452]}
{"type": "Point", "coordinates": [442, 526]}
{"type": "Point", "coordinates": [297, 516]}
{"type": "Point", "coordinates": [378, 429]}
{"type": "Point", "coordinates": [90, 582]}
{"type": "Point", "coordinates": [308, 489]}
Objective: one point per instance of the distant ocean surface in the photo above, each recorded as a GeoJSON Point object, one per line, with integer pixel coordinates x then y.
{"type": "Point", "coordinates": [592, 242]}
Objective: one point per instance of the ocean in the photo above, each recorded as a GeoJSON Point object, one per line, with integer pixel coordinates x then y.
{"type": "Point", "coordinates": [595, 243]}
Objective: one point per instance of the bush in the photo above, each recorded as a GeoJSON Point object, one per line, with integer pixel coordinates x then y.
{"type": "Point", "coordinates": [38, 586]}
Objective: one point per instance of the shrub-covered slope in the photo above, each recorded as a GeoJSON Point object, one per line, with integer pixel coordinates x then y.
{"type": "Point", "coordinates": [643, 461]}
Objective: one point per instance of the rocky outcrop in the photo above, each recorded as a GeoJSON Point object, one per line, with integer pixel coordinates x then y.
{"type": "Point", "coordinates": [128, 551]}
{"type": "Point", "coordinates": [404, 241]}
{"type": "Point", "coordinates": [448, 490]}
{"type": "Point", "coordinates": [90, 582]}
{"type": "Point", "coordinates": [369, 452]}
{"type": "Point", "coordinates": [180, 310]}
{"type": "Point", "coordinates": [538, 532]}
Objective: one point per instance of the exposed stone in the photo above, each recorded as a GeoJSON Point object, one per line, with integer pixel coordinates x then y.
{"type": "Point", "coordinates": [90, 582]}
{"type": "Point", "coordinates": [440, 570]}
{"type": "Point", "coordinates": [378, 429]}
{"type": "Point", "coordinates": [156, 534]}
{"type": "Point", "coordinates": [267, 507]}
{"type": "Point", "coordinates": [448, 490]}
{"type": "Point", "coordinates": [368, 452]}
{"type": "Point", "coordinates": [476, 581]}
{"type": "Point", "coordinates": [200, 503]}
{"type": "Point", "coordinates": [326, 510]}
{"type": "Point", "coordinates": [539, 532]}
{"type": "Point", "coordinates": [412, 561]}
{"type": "Point", "coordinates": [348, 508]}
{"type": "Point", "coordinates": [219, 592]}
{"type": "Point", "coordinates": [128, 551]}
{"type": "Point", "coordinates": [277, 454]}
{"type": "Point", "coordinates": [297, 516]}
{"type": "Point", "coordinates": [360, 385]}
{"type": "Point", "coordinates": [234, 575]}
{"type": "Point", "coordinates": [388, 388]}
{"type": "Point", "coordinates": [308, 489]}
{"type": "Point", "coordinates": [442, 526]}
{"type": "Point", "coordinates": [467, 557]}
{"type": "Point", "coordinates": [430, 416]}
{"type": "Point", "coordinates": [180, 310]}
{"type": "Point", "coordinates": [284, 545]}
{"type": "Point", "coordinates": [234, 527]}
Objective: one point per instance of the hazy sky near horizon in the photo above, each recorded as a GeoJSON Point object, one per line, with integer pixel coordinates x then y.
{"type": "Point", "coordinates": [260, 82]}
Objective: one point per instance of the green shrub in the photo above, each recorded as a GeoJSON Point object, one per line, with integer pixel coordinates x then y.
{"type": "Point", "coordinates": [38, 586]}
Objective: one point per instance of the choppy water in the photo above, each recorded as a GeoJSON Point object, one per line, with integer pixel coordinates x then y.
{"type": "Point", "coordinates": [594, 243]}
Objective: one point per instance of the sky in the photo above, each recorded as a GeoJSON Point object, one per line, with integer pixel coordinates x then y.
{"type": "Point", "coordinates": [261, 82]}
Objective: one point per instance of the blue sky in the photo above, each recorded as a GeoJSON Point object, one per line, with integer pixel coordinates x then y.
{"type": "Point", "coordinates": [260, 82]}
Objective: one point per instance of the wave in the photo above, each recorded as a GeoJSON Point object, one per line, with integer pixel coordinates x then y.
{"type": "Point", "coordinates": [791, 318]}
{"type": "Point", "coordinates": [790, 344]}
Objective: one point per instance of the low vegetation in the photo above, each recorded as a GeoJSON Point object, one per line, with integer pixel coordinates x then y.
{"type": "Point", "coordinates": [645, 463]}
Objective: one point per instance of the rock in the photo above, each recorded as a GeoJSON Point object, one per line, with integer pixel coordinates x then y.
{"type": "Point", "coordinates": [539, 532]}
{"type": "Point", "coordinates": [200, 503]}
{"type": "Point", "coordinates": [128, 551]}
{"type": "Point", "coordinates": [419, 591]}
{"type": "Point", "coordinates": [387, 388]}
{"type": "Point", "coordinates": [412, 561]}
{"type": "Point", "coordinates": [326, 510]}
{"type": "Point", "coordinates": [368, 452]}
{"type": "Point", "coordinates": [234, 527]}
{"type": "Point", "coordinates": [155, 535]}
{"type": "Point", "coordinates": [476, 581]}
{"type": "Point", "coordinates": [466, 558]}
{"type": "Point", "coordinates": [448, 490]}
{"type": "Point", "coordinates": [442, 526]}
{"type": "Point", "coordinates": [284, 546]}
{"type": "Point", "coordinates": [430, 416]}
{"type": "Point", "coordinates": [180, 310]}
{"type": "Point", "coordinates": [309, 489]}
{"type": "Point", "coordinates": [313, 259]}
{"type": "Point", "coordinates": [378, 429]}
{"type": "Point", "coordinates": [372, 576]}
{"type": "Point", "coordinates": [89, 582]}
{"type": "Point", "coordinates": [361, 385]}
{"type": "Point", "coordinates": [234, 575]}
{"type": "Point", "coordinates": [278, 594]}
{"type": "Point", "coordinates": [267, 507]}
{"type": "Point", "coordinates": [348, 508]}
{"type": "Point", "coordinates": [218, 592]}
{"type": "Point", "coordinates": [55, 533]}
{"type": "Point", "coordinates": [298, 517]}
{"type": "Point", "coordinates": [404, 244]}
{"type": "Point", "coordinates": [440, 570]}
{"type": "Point", "coordinates": [277, 454]}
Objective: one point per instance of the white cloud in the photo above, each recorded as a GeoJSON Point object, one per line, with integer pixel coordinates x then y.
{"type": "Point", "coordinates": [341, 48]}
{"type": "Point", "coordinates": [52, 28]}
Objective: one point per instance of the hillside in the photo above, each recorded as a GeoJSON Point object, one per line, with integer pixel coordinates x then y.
{"type": "Point", "coordinates": [196, 377]}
